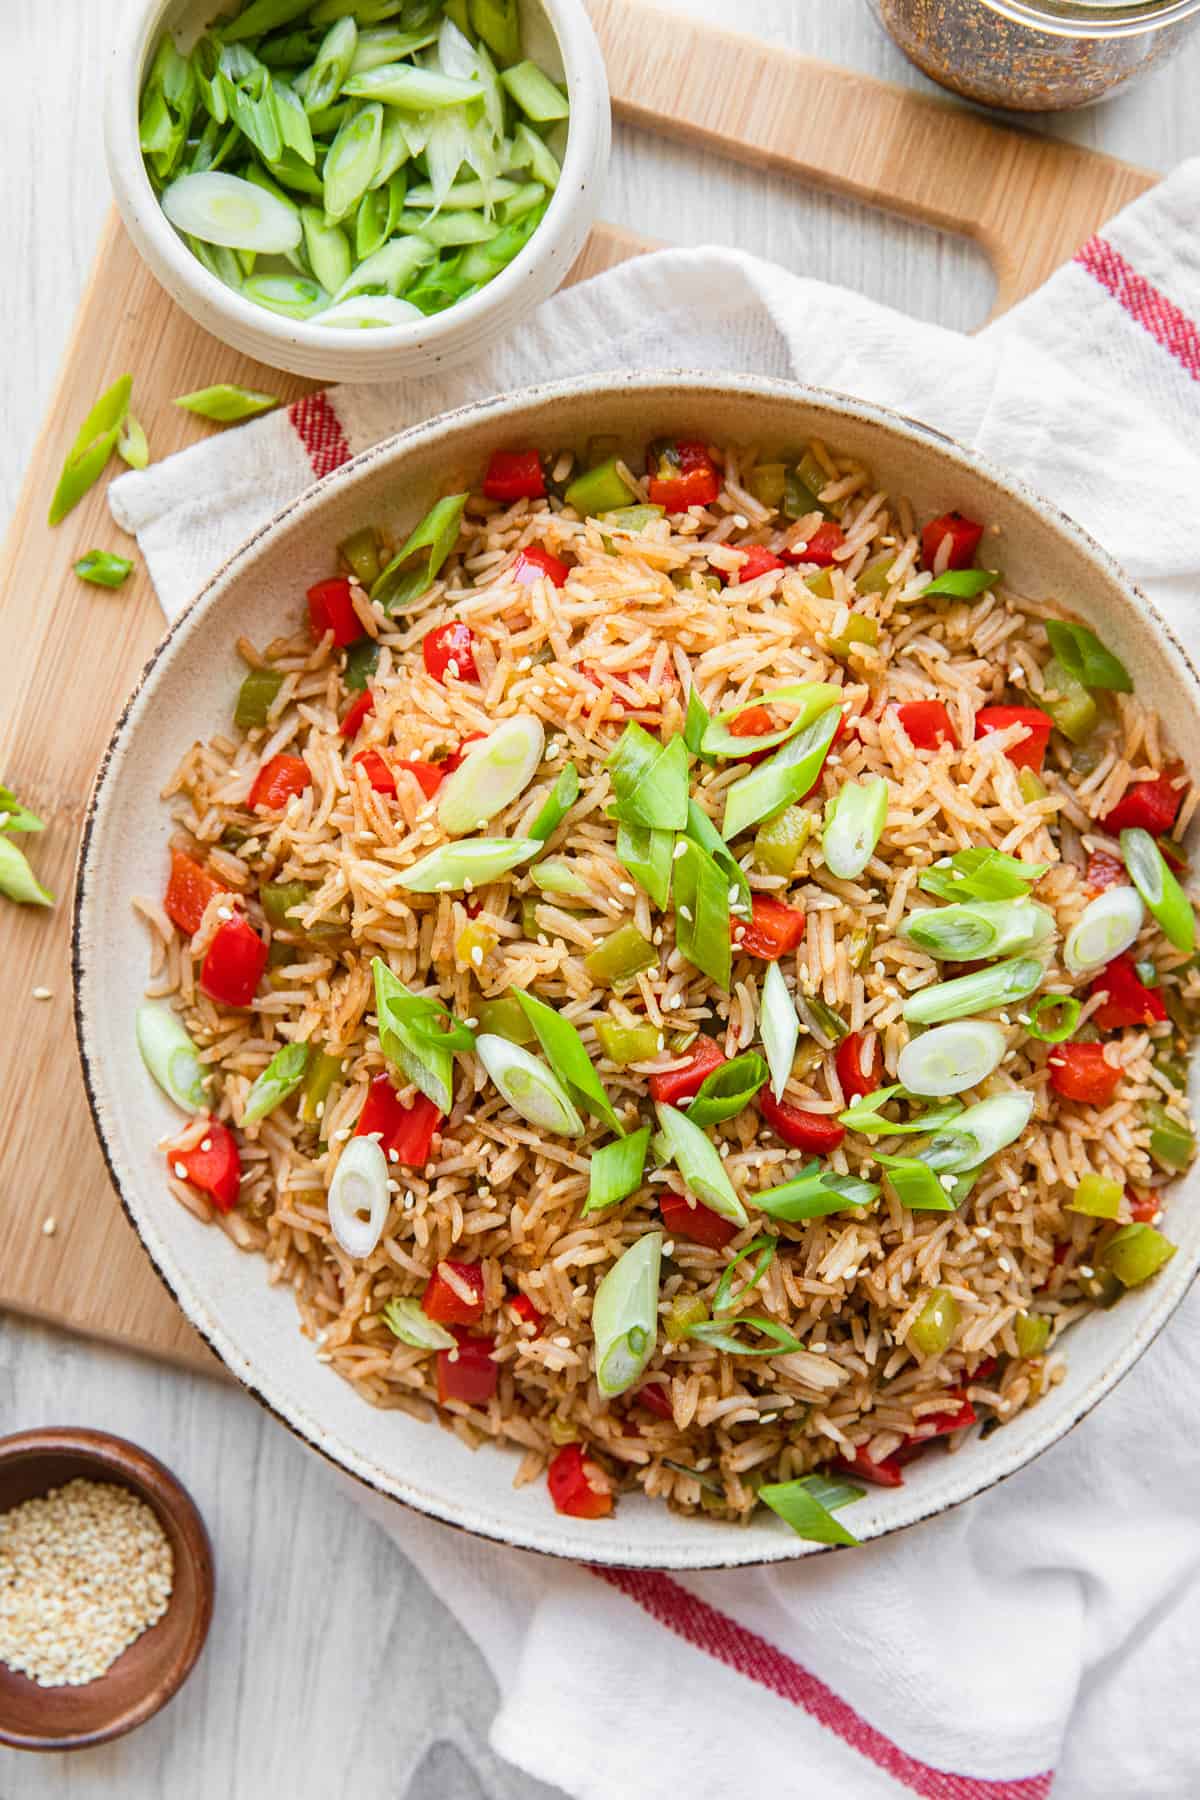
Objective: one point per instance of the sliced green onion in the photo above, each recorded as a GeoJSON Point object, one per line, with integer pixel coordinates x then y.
{"type": "Point", "coordinates": [292, 296]}
{"type": "Point", "coordinates": [17, 879]}
{"type": "Point", "coordinates": [780, 1028]}
{"type": "Point", "coordinates": [827, 1026]}
{"type": "Point", "coordinates": [1107, 927]}
{"type": "Point", "coordinates": [223, 209]}
{"type": "Point", "coordinates": [625, 1316]}
{"type": "Point", "coordinates": [763, 1250]}
{"type": "Point", "coordinates": [407, 1320]}
{"type": "Point", "coordinates": [1083, 655]}
{"type": "Point", "coordinates": [621, 957]}
{"type": "Point", "coordinates": [1135, 1253]}
{"type": "Point", "coordinates": [563, 1045]}
{"type": "Point", "coordinates": [14, 816]}
{"type": "Point", "coordinates": [723, 1336]}
{"type": "Point", "coordinates": [542, 164]}
{"type": "Point", "coordinates": [327, 248]}
{"type": "Point", "coordinates": [866, 1115]}
{"type": "Point", "coordinates": [358, 1198]}
{"type": "Point", "coordinates": [1032, 1332]}
{"type": "Point", "coordinates": [132, 445]}
{"type": "Point", "coordinates": [557, 805]}
{"type": "Point", "coordinates": [352, 158]}
{"type": "Point", "coordinates": [647, 855]}
{"type": "Point", "coordinates": [779, 841]}
{"type": "Point", "coordinates": [437, 533]}
{"type": "Point", "coordinates": [1172, 1145]}
{"type": "Point", "coordinates": [932, 1332]}
{"type": "Point", "coordinates": [807, 1506]}
{"type": "Point", "coordinates": [323, 1072]}
{"type": "Point", "coordinates": [980, 874]}
{"type": "Point", "coordinates": [368, 312]}
{"type": "Point", "coordinates": [226, 403]}
{"type": "Point", "coordinates": [103, 569]}
{"type": "Point", "coordinates": [529, 1085]}
{"type": "Point", "coordinates": [535, 93]}
{"type": "Point", "coordinates": [255, 698]}
{"type": "Point", "coordinates": [555, 875]}
{"type": "Point", "coordinates": [631, 518]}
{"type": "Point", "coordinates": [951, 1058]}
{"type": "Point", "coordinates": [728, 1090]}
{"type": "Point", "coordinates": [703, 832]}
{"type": "Point", "coordinates": [1057, 1033]}
{"type": "Point", "coordinates": [416, 90]}
{"type": "Point", "coordinates": [981, 1132]}
{"type": "Point", "coordinates": [788, 776]}
{"type": "Point", "coordinates": [809, 698]}
{"type": "Point", "coordinates": [650, 781]}
{"type": "Point", "coordinates": [262, 16]}
{"type": "Point", "coordinates": [616, 1170]}
{"type": "Point", "coordinates": [418, 1036]}
{"type": "Point", "coordinates": [360, 551]}
{"type": "Point", "coordinates": [702, 930]}
{"type": "Point", "coordinates": [697, 1160]}
{"type": "Point", "coordinates": [988, 928]}
{"type": "Point", "coordinates": [281, 1077]}
{"type": "Point", "coordinates": [1163, 895]}
{"type": "Point", "coordinates": [391, 267]}
{"type": "Point", "coordinates": [94, 443]}
{"type": "Point", "coordinates": [1096, 1197]}
{"type": "Point", "coordinates": [476, 860]}
{"type": "Point", "coordinates": [915, 1185]}
{"type": "Point", "coordinates": [979, 992]}
{"type": "Point", "coordinates": [853, 826]}
{"type": "Point", "coordinates": [491, 775]}
{"type": "Point", "coordinates": [696, 721]}
{"type": "Point", "coordinates": [331, 65]}
{"type": "Point", "coordinates": [169, 1054]}
{"type": "Point", "coordinates": [960, 584]}
{"type": "Point", "coordinates": [814, 1194]}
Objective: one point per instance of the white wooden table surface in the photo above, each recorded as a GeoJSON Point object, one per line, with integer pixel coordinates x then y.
{"type": "Point", "coordinates": [351, 1677]}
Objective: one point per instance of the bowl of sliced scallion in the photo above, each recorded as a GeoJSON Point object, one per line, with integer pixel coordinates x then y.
{"type": "Point", "coordinates": [358, 190]}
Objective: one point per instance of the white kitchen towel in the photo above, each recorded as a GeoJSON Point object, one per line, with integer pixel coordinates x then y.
{"type": "Point", "coordinates": [1049, 1631]}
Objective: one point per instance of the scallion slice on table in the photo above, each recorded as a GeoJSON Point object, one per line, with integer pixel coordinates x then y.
{"type": "Point", "coordinates": [779, 1024]}
{"type": "Point", "coordinates": [169, 1054]}
{"type": "Point", "coordinates": [449, 868]}
{"type": "Point", "coordinates": [1106, 928]}
{"type": "Point", "coordinates": [808, 1506]}
{"type": "Point", "coordinates": [616, 1170]}
{"type": "Point", "coordinates": [814, 1194]}
{"type": "Point", "coordinates": [556, 806]}
{"type": "Point", "coordinates": [979, 992]}
{"type": "Point", "coordinates": [728, 1090]}
{"type": "Point", "coordinates": [15, 815]}
{"type": "Point", "coordinates": [986, 928]}
{"type": "Point", "coordinates": [1158, 887]}
{"type": "Point", "coordinates": [979, 874]}
{"type": "Point", "coordinates": [1083, 655]}
{"type": "Point", "coordinates": [529, 1085]}
{"type": "Point", "coordinates": [358, 1197]}
{"type": "Point", "coordinates": [132, 445]}
{"type": "Point", "coordinates": [406, 1320]}
{"type": "Point", "coordinates": [951, 1057]}
{"type": "Point", "coordinates": [281, 1077]}
{"type": "Point", "coordinates": [94, 443]}
{"type": "Point", "coordinates": [103, 569]}
{"type": "Point", "coordinates": [625, 1316]}
{"type": "Point", "coordinates": [492, 775]}
{"type": "Point", "coordinates": [563, 1045]}
{"type": "Point", "coordinates": [17, 880]}
{"type": "Point", "coordinates": [788, 776]}
{"type": "Point", "coordinates": [807, 699]}
{"type": "Point", "coordinates": [854, 824]}
{"type": "Point", "coordinates": [697, 1159]}
{"type": "Point", "coordinates": [226, 403]}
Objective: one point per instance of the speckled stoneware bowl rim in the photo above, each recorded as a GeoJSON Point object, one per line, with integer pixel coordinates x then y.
{"type": "Point", "coordinates": [1001, 1455]}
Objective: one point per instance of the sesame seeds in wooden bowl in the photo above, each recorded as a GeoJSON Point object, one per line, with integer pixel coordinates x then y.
{"type": "Point", "coordinates": [106, 1588]}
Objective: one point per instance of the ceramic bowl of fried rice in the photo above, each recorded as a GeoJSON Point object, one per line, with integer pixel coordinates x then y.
{"type": "Point", "coordinates": [547, 1312]}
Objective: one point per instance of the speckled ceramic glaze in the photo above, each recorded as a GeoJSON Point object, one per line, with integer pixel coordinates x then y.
{"type": "Point", "coordinates": [556, 33]}
{"type": "Point", "coordinates": [185, 694]}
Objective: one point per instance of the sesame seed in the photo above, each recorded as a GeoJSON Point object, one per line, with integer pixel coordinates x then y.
{"type": "Point", "coordinates": [43, 993]}
{"type": "Point", "coordinates": [1086, 1270]}
{"type": "Point", "coordinates": [224, 912]}
{"type": "Point", "coordinates": [181, 1171]}
{"type": "Point", "coordinates": [477, 956]}
{"type": "Point", "coordinates": [206, 1143]}
{"type": "Point", "coordinates": [626, 887]}
{"type": "Point", "coordinates": [393, 1156]}
{"type": "Point", "coordinates": [680, 849]}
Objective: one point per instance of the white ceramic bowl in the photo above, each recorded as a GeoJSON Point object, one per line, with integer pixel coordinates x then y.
{"type": "Point", "coordinates": [185, 694]}
{"type": "Point", "coordinates": [557, 33]}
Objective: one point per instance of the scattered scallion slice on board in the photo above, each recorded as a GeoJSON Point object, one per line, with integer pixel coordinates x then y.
{"type": "Point", "coordinates": [492, 774]}
{"type": "Point", "coordinates": [476, 860]}
{"type": "Point", "coordinates": [15, 816]}
{"type": "Point", "coordinates": [1108, 926]}
{"type": "Point", "coordinates": [1158, 887]}
{"type": "Point", "coordinates": [132, 445]}
{"type": "Point", "coordinates": [226, 403]}
{"type": "Point", "coordinates": [1083, 655]}
{"type": "Point", "coordinates": [625, 1316]}
{"type": "Point", "coordinates": [358, 1198]}
{"type": "Point", "coordinates": [696, 1158]}
{"type": "Point", "coordinates": [103, 569]}
{"type": "Point", "coordinates": [616, 1170]}
{"type": "Point", "coordinates": [94, 443]}
{"type": "Point", "coordinates": [808, 1506]}
{"type": "Point", "coordinates": [853, 826]}
{"type": "Point", "coordinates": [17, 880]}
{"type": "Point", "coordinates": [563, 1045]}
{"type": "Point", "coordinates": [407, 1320]}
{"type": "Point", "coordinates": [529, 1085]}
{"type": "Point", "coordinates": [170, 1055]}
{"type": "Point", "coordinates": [779, 1025]}
{"type": "Point", "coordinates": [981, 991]}
{"type": "Point", "coordinates": [219, 208]}
{"type": "Point", "coordinates": [281, 1077]}
{"type": "Point", "coordinates": [728, 1090]}
{"type": "Point", "coordinates": [951, 1058]}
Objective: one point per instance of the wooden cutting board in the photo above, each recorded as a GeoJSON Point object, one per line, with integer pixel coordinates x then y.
{"type": "Point", "coordinates": [71, 652]}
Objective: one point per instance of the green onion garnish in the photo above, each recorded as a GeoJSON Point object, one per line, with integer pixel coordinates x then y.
{"type": "Point", "coordinates": [952, 1057]}
{"type": "Point", "coordinates": [281, 1077]}
{"type": "Point", "coordinates": [696, 722]}
{"type": "Point", "coordinates": [728, 1090]}
{"type": "Point", "coordinates": [779, 1025]}
{"type": "Point", "coordinates": [987, 928]}
{"type": "Point", "coordinates": [529, 1085]}
{"type": "Point", "coordinates": [359, 1198]}
{"type": "Point", "coordinates": [650, 781]}
{"type": "Point", "coordinates": [219, 208]}
{"type": "Point", "coordinates": [763, 1249]}
{"type": "Point", "coordinates": [788, 776]}
{"type": "Point", "coordinates": [557, 805]}
{"type": "Point", "coordinates": [807, 1505]}
{"type": "Point", "coordinates": [418, 1036]}
{"type": "Point", "coordinates": [813, 1194]}
{"type": "Point", "coordinates": [1065, 1005]}
{"type": "Point", "coordinates": [625, 1316]}
{"type": "Point", "coordinates": [563, 1045]}
{"type": "Point", "coordinates": [647, 856]}
{"type": "Point", "coordinates": [437, 533]}
{"type": "Point", "coordinates": [960, 584]}
{"type": "Point", "coordinates": [702, 831]}
{"type": "Point", "coordinates": [854, 823]}
{"type": "Point", "coordinates": [1106, 928]}
{"type": "Point", "coordinates": [809, 698]}
{"type": "Point", "coordinates": [979, 874]}
{"type": "Point", "coordinates": [226, 403]}
{"type": "Point", "coordinates": [104, 569]}
{"type": "Point", "coordinates": [169, 1054]}
{"type": "Point", "coordinates": [702, 929]}
{"type": "Point", "coordinates": [915, 1185]}
{"type": "Point", "coordinates": [491, 775]}
{"type": "Point", "coordinates": [866, 1115]}
{"type": "Point", "coordinates": [407, 1320]}
{"type": "Point", "coordinates": [1163, 895]}
{"type": "Point", "coordinates": [1083, 655]}
{"type": "Point", "coordinates": [980, 1132]}
{"type": "Point", "coordinates": [558, 875]}
{"type": "Point", "coordinates": [450, 867]}
{"type": "Point", "coordinates": [94, 443]}
{"type": "Point", "coordinates": [535, 93]}
{"type": "Point", "coordinates": [697, 1160]}
{"type": "Point", "coordinates": [976, 993]}
{"type": "Point", "coordinates": [723, 1337]}
{"type": "Point", "coordinates": [616, 1170]}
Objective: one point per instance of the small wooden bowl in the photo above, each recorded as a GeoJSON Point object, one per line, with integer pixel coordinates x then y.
{"type": "Point", "coordinates": [145, 1676]}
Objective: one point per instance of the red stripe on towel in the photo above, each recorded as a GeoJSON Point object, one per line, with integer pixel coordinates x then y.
{"type": "Point", "coordinates": [744, 1651]}
{"type": "Point", "coordinates": [319, 430]}
{"type": "Point", "coordinates": [1146, 305]}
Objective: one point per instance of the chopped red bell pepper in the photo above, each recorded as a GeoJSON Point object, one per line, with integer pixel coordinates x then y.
{"type": "Point", "coordinates": [570, 1489]}
{"type": "Point", "coordinates": [655, 1398]}
{"type": "Point", "coordinates": [356, 712]}
{"type": "Point", "coordinates": [1129, 1002]}
{"type": "Point", "coordinates": [442, 1301]}
{"type": "Point", "coordinates": [405, 1132]}
{"type": "Point", "coordinates": [856, 1077]}
{"type": "Point", "coordinates": [376, 770]}
{"type": "Point", "coordinates": [818, 1132]}
{"type": "Point", "coordinates": [533, 562]}
{"type": "Point", "coordinates": [331, 608]}
{"type": "Point", "coordinates": [1082, 1072]}
{"type": "Point", "coordinates": [682, 475]}
{"type": "Point", "coordinates": [527, 1312]}
{"type": "Point", "coordinates": [964, 535]}
{"type": "Point", "coordinates": [381, 1112]}
{"type": "Point", "coordinates": [515, 475]}
{"type": "Point", "coordinates": [1144, 1208]}
{"type": "Point", "coordinates": [278, 780]}
{"type": "Point", "coordinates": [886, 1472]}
{"type": "Point", "coordinates": [674, 1085]}
{"type": "Point", "coordinates": [941, 1424]}
{"type": "Point", "coordinates": [1029, 752]}
{"type": "Point", "coordinates": [467, 1373]}
{"type": "Point", "coordinates": [927, 723]}
{"type": "Point", "coordinates": [773, 930]}
{"type": "Point", "coordinates": [450, 649]}
{"type": "Point", "coordinates": [756, 721]}
{"type": "Point", "coordinates": [1105, 871]}
{"type": "Point", "coordinates": [698, 1224]}
{"type": "Point", "coordinates": [429, 776]}
{"type": "Point", "coordinates": [212, 1165]}
{"type": "Point", "coordinates": [1151, 806]}
{"type": "Point", "coordinates": [820, 547]}
{"type": "Point", "coordinates": [759, 561]}
{"type": "Point", "coordinates": [189, 891]}
{"type": "Point", "coordinates": [234, 964]}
